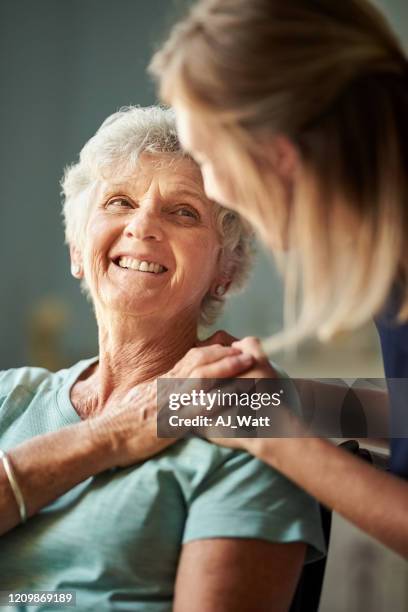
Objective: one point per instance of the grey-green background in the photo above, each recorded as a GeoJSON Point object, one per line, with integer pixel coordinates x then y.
{"type": "Point", "coordinates": [64, 66]}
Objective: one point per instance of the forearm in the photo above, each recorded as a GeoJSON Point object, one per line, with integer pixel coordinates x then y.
{"type": "Point", "coordinates": [47, 466]}
{"type": "Point", "coordinates": [375, 501]}
{"type": "Point", "coordinates": [334, 410]}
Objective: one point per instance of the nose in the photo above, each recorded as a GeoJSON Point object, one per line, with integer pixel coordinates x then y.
{"type": "Point", "coordinates": [144, 224]}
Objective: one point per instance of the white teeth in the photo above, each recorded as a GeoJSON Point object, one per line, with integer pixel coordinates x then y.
{"type": "Point", "coordinates": [142, 266]}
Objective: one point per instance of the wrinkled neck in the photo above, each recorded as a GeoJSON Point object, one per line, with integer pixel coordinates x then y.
{"type": "Point", "coordinates": [132, 350]}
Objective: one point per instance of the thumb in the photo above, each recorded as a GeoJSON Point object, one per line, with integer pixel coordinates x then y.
{"type": "Point", "coordinates": [218, 337]}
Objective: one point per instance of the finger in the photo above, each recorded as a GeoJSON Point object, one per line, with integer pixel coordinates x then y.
{"type": "Point", "coordinates": [226, 367]}
{"type": "Point", "coordinates": [207, 354]}
{"type": "Point", "coordinates": [219, 337]}
{"type": "Point", "coordinates": [251, 345]}
{"type": "Point", "coordinates": [199, 356]}
{"type": "Point", "coordinates": [249, 341]}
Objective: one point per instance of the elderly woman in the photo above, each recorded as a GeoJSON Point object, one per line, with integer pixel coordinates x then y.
{"type": "Point", "coordinates": [186, 528]}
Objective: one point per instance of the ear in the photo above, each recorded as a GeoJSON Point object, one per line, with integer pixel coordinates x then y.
{"type": "Point", "coordinates": [76, 261]}
{"type": "Point", "coordinates": [224, 276]}
{"type": "Point", "coordinates": [220, 286]}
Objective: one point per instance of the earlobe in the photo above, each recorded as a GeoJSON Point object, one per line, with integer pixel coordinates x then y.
{"type": "Point", "coordinates": [76, 262]}
{"type": "Point", "coordinates": [221, 287]}
{"type": "Point", "coordinates": [76, 270]}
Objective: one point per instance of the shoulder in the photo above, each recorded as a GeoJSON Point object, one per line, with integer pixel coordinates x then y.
{"type": "Point", "coordinates": [233, 494]}
{"type": "Point", "coordinates": [32, 379]}
{"type": "Point", "coordinates": [28, 377]}
{"type": "Point", "coordinates": [219, 472]}
{"type": "Point", "coordinates": [200, 458]}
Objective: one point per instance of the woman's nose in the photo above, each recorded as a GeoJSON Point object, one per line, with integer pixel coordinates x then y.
{"type": "Point", "coordinates": [144, 225]}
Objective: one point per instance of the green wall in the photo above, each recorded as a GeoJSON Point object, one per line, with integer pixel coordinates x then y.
{"type": "Point", "coordinates": [64, 66]}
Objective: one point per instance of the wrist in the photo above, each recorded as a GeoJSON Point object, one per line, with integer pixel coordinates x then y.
{"type": "Point", "coordinates": [100, 442]}
{"type": "Point", "coordinates": [261, 448]}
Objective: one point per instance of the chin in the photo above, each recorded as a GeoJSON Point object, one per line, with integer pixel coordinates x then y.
{"type": "Point", "coordinates": [130, 303]}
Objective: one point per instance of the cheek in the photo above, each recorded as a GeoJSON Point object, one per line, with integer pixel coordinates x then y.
{"type": "Point", "coordinates": [98, 240]}
{"type": "Point", "coordinates": [200, 262]}
{"type": "Point", "coordinates": [97, 229]}
{"type": "Point", "coordinates": [100, 234]}
{"type": "Point", "coordinates": [94, 268]}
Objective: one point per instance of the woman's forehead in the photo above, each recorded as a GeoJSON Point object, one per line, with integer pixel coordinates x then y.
{"type": "Point", "coordinates": [170, 172]}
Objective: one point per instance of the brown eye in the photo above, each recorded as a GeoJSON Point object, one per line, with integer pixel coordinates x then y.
{"type": "Point", "coordinates": [119, 204]}
{"type": "Point", "coordinates": [186, 211]}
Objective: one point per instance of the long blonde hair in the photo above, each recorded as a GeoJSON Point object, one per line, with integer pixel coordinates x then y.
{"type": "Point", "coordinates": [332, 78]}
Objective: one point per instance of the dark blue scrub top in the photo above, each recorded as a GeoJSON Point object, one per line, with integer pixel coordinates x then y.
{"type": "Point", "coordinates": [394, 343]}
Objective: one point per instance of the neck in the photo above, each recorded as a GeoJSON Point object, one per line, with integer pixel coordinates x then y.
{"type": "Point", "coordinates": [132, 350]}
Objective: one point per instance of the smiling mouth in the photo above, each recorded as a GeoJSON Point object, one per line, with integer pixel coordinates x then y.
{"type": "Point", "coordinates": [130, 263]}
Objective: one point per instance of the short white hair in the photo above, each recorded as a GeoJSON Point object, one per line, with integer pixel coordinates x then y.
{"type": "Point", "coordinates": [114, 152]}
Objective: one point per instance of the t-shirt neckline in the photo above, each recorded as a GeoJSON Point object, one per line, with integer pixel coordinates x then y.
{"type": "Point", "coordinates": [64, 403]}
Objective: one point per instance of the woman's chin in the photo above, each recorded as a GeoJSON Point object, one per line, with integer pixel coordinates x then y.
{"type": "Point", "coordinates": [134, 300]}
{"type": "Point", "coordinates": [134, 286]}
{"type": "Point", "coordinates": [132, 292]}
{"type": "Point", "coordinates": [132, 304]}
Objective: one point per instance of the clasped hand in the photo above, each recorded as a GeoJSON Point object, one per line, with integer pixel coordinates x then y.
{"type": "Point", "coordinates": [130, 431]}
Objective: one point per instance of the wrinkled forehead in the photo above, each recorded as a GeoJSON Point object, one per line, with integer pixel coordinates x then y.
{"type": "Point", "coordinates": [173, 174]}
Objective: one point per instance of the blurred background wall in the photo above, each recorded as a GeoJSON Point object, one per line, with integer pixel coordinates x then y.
{"type": "Point", "coordinates": [64, 66]}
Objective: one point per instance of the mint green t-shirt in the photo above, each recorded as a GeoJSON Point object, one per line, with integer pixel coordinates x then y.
{"type": "Point", "coordinates": [116, 538]}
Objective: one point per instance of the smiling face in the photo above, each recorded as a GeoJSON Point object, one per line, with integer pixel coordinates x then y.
{"type": "Point", "coordinates": [151, 244]}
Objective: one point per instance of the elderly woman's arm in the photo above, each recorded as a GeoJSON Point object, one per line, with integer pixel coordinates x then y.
{"type": "Point", "coordinates": [237, 575]}
{"type": "Point", "coordinates": [47, 466]}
